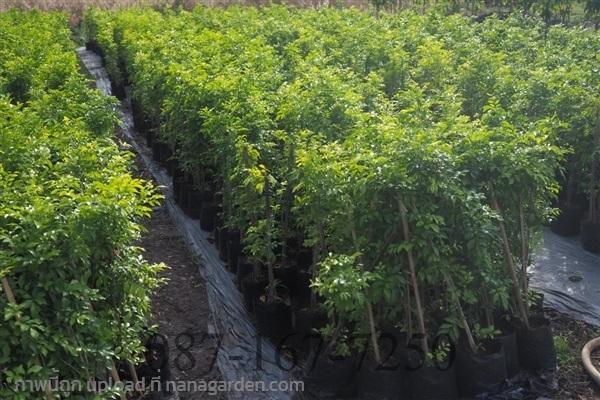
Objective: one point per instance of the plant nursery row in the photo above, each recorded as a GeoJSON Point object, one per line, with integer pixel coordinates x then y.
{"type": "Point", "coordinates": [75, 291]}
{"type": "Point", "coordinates": [380, 181]}
{"type": "Point", "coordinates": [387, 176]}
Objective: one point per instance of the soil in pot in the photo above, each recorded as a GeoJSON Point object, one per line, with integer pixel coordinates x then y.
{"type": "Point", "coordinates": [273, 318]}
{"type": "Point", "coordinates": [590, 236]}
{"type": "Point", "coordinates": [326, 377]}
{"type": "Point", "coordinates": [483, 372]}
{"type": "Point", "coordinates": [568, 222]}
{"type": "Point", "coordinates": [536, 345]}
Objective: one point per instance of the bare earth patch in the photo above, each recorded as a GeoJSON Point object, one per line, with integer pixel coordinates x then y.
{"type": "Point", "coordinates": [570, 335]}
{"type": "Point", "coordinates": [180, 307]}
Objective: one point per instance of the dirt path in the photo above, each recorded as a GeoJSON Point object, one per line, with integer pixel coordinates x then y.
{"type": "Point", "coordinates": [180, 308]}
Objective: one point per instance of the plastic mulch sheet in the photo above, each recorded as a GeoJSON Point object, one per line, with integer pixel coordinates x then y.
{"type": "Point", "coordinates": [244, 356]}
{"type": "Point", "coordinates": [569, 277]}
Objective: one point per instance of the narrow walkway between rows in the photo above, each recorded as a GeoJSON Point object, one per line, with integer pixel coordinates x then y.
{"type": "Point", "coordinates": [244, 355]}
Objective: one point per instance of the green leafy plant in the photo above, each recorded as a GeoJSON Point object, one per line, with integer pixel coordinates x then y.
{"type": "Point", "coordinates": [416, 155]}
{"type": "Point", "coordinates": [75, 290]}
{"type": "Point", "coordinates": [482, 333]}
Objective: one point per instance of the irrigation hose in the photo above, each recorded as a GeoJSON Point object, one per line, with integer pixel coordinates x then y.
{"type": "Point", "coordinates": [587, 351]}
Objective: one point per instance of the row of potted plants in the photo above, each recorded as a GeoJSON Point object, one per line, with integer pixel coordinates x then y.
{"type": "Point", "coordinates": [413, 157]}
{"type": "Point", "coordinates": [578, 107]}
{"type": "Point", "coordinates": [340, 366]}
{"type": "Point", "coordinates": [75, 291]}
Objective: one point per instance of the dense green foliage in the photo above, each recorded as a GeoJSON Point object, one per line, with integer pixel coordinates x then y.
{"type": "Point", "coordinates": [416, 154]}
{"type": "Point", "coordinates": [550, 11]}
{"type": "Point", "coordinates": [68, 217]}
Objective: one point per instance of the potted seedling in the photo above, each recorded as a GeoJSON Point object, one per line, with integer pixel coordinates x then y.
{"type": "Point", "coordinates": [481, 364]}
{"type": "Point", "coordinates": [285, 266]}
{"type": "Point", "coordinates": [520, 191]}
{"type": "Point", "coordinates": [341, 283]}
{"type": "Point", "coordinates": [272, 307]}
{"type": "Point", "coordinates": [312, 210]}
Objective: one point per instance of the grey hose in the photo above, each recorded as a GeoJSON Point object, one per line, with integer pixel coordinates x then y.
{"type": "Point", "coordinates": [587, 351]}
